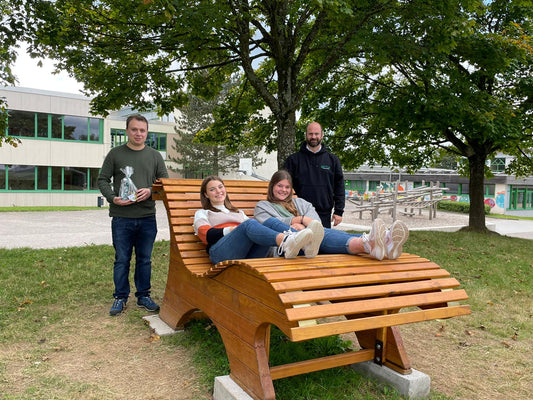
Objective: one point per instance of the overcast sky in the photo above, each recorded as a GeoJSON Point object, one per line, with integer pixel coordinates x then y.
{"type": "Point", "coordinates": [30, 75]}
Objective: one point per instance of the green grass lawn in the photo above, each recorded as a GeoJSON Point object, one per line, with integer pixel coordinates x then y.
{"type": "Point", "coordinates": [64, 285]}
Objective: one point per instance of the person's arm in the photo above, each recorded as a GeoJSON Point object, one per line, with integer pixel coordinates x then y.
{"type": "Point", "coordinates": [264, 210]}
{"type": "Point", "coordinates": [339, 193]}
{"type": "Point", "coordinates": [306, 208]}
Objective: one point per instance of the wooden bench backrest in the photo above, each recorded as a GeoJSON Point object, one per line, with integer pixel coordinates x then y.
{"type": "Point", "coordinates": [182, 200]}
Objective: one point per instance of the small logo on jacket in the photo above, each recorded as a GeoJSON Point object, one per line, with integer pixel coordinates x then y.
{"type": "Point", "coordinates": [325, 167]}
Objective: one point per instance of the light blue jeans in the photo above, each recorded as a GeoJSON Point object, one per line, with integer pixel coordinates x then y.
{"type": "Point", "coordinates": [334, 242]}
{"type": "Point", "coordinates": [250, 239]}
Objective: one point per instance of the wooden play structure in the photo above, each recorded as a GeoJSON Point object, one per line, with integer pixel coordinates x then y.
{"type": "Point", "coordinates": [404, 202]}
{"type": "Point", "coordinates": [305, 298]}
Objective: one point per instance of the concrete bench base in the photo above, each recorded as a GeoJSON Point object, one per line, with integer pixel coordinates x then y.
{"type": "Point", "coordinates": [416, 385]}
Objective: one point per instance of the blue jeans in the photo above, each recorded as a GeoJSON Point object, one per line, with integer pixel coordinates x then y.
{"type": "Point", "coordinates": [250, 239]}
{"type": "Point", "coordinates": [129, 233]}
{"type": "Point", "coordinates": [334, 242]}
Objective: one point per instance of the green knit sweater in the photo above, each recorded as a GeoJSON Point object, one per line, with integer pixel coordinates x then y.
{"type": "Point", "coordinates": [148, 165]}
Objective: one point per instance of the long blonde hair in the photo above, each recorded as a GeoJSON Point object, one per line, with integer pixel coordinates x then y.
{"type": "Point", "coordinates": [206, 203]}
{"type": "Point", "coordinates": [287, 203]}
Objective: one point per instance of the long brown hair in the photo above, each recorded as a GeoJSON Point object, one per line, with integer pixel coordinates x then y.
{"type": "Point", "coordinates": [206, 203]}
{"type": "Point", "coordinates": [287, 203]}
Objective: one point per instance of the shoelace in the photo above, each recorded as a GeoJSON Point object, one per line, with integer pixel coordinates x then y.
{"type": "Point", "coordinates": [281, 247]}
{"type": "Point", "coordinates": [117, 302]}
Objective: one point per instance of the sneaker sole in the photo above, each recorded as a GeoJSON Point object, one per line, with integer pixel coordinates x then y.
{"type": "Point", "coordinates": [304, 237]}
{"type": "Point", "coordinates": [379, 230]}
{"type": "Point", "coordinates": [311, 250]}
{"type": "Point", "coordinates": [400, 234]}
{"type": "Point", "coordinates": [148, 309]}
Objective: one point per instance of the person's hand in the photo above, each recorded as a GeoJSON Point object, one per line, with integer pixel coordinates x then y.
{"type": "Point", "coordinates": [119, 202]}
{"type": "Point", "coordinates": [143, 194]}
{"type": "Point", "coordinates": [336, 219]}
{"type": "Point", "coordinates": [297, 227]}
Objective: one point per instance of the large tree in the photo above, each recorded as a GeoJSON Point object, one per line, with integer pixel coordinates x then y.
{"type": "Point", "coordinates": [140, 53]}
{"type": "Point", "coordinates": [463, 85]}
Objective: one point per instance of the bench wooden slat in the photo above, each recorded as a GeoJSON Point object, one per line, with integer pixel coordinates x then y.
{"type": "Point", "coordinates": [336, 294]}
{"type": "Point", "coordinates": [362, 306]}
{"type": "Point", "coordinates": [326, 271]}
{"type": "Point", "coordinates": [358, 280]}
{"type": "Point", "coordinates": [379, 321]}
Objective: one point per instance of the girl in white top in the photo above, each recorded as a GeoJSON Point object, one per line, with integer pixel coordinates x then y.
{"type": "Point", "coordinates": [229, 234]}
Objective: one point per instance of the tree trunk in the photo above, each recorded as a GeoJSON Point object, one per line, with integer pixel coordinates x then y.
{"type": "Point", "coordinates": [476, 221]}
{"type": "Point", "coordinates": [286, 124]}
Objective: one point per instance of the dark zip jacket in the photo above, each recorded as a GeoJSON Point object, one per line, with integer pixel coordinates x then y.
{"type": "Point", "coordinates": [318, 178]}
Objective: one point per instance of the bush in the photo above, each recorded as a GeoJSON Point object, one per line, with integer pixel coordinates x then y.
{"type": "Point", "coordinates": [456, 206]}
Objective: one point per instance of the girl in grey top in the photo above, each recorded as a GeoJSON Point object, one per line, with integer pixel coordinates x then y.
{"type": "Point", "coordinates": [298, 213]}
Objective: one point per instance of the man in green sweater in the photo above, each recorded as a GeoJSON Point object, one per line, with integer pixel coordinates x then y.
{"type": "Point", "coordinates": [125, 180]}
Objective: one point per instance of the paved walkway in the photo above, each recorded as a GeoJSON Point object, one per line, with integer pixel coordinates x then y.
{"type": "Point", "coordinates": [82, 228]}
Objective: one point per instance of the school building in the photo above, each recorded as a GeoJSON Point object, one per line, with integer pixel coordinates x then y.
{"type": "Point", "coordinates": [62, 147]}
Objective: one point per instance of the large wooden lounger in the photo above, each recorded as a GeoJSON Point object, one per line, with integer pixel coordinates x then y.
{"type": "Point", "coordinates": [304, 298]}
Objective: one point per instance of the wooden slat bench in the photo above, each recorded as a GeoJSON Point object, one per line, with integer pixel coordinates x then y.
{"type": "Point", "coordinates": [304, 298]}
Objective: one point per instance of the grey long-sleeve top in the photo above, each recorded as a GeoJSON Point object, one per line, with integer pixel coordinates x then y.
{"type": "Point", "coordinates": [264, 210]}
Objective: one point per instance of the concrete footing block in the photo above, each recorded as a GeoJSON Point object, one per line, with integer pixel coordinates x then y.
{"type": "Point", "coordinates": [159, 327]}
{"type": "Point", "coordinates": [227, 389]}
{"type": "Point", "coordinates": [416, 385]}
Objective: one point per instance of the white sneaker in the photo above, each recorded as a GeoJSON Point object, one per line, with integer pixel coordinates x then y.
{"type": "Point", "coordinates": [395, 238]}
{"type": "Point", "coordinates": [374, 242]}
{"type": "Point", "coordinates": [311, 249]}
{"type": "Point", "coordinates": [293, 242]}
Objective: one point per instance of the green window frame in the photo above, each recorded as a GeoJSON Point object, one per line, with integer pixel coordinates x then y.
{"type": "Point", "coordinates": [155, 140]}
{"type": "Point", "coordinates": [497, 164]}
{"type": "Point", "coordinates": [30, 178]}
{"type": "Point", "coordinates": [36, 125]}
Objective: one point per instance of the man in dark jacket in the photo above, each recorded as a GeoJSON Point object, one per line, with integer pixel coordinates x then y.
{"type": "Point", "coordinates": [317, 176]}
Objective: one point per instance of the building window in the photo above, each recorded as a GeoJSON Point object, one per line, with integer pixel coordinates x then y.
{"type": "Point", "coordinates": [43, 178]}
{"type": "Point", "coordinates": [521, 198]}
{"type": "Point", "coordinates": [21, 123]}
{"type": "Point", "coordinates": [2, 177]}
{"type": "Point", "coordinates": [42, 125]}
{"type": "Point", "coordinates": [490, 190]}
{"type": "Point", "coordinates": [51, 126]}
{"type": "Point", "coordinates": [373, 185]}
{"type": "Point", "coordinates": [74, 178]}
{"type": "Point", "coordinates": [21, 177]}
{"type": "Point", "coordinates": [157, 141]}
{"type": "Point", "coordinates": [57, 127]}
{"type": "Point", "coordinates": [497, 164]}
{"type": "Point", "coordinates": [453, 188]}
{"type": "Point", "coordinates": [95, 127]}
{"type": "Point", "coordinates": [358, 185]}
{"type": "Point", "coordinates": [154, 140]}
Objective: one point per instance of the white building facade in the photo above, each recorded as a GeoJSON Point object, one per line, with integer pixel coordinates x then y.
{"type": "Point", "coordinates": [62, 147]}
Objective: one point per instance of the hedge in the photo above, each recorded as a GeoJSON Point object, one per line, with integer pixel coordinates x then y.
{"type": "Point", "coordinates": [456, 206]}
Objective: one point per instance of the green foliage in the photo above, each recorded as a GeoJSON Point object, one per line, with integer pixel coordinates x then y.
{"type": "Point", "coordinates": [458, 206]}
{"type": "Point", "coordinates": [452, 76]}
{"type": "Point", "coordinates": [155, 52]}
